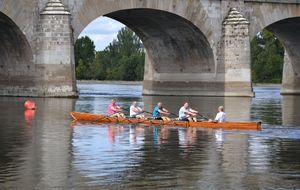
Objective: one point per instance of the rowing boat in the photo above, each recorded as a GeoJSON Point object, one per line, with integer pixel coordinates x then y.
{"type": "Point", "coordinates": [101, 118]}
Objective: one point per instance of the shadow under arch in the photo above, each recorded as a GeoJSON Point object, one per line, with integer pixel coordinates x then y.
{"type": "Point", "coordinates": [16, 60]}
{"type": "Point", "coordinates": [173, 43]}
{"type": "Point", "coordinates": [178, 54]}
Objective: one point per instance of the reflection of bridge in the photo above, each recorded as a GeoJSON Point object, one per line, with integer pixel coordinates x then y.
{"type": "Point", "coordinates": [193, 47]}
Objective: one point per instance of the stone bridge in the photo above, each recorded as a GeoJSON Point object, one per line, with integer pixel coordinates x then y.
{"type": "Point", "coordinates": [194, 47]}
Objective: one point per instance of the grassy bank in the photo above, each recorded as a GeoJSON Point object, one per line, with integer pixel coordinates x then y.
{"type": "Point", "coordinates": [141, 82]}
{"type": "Point", "coordinates": [266, 85]}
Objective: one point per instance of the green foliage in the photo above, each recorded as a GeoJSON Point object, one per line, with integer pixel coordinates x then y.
{"type": "Point", "coordinates": [122, 59]}
{"type": "Point", "coordinates": [267, 54]}
{"type": "Point", "coordinates": [98, 68]}
{"type": "Point", "coordinates": [81, 69]}
{"type": "Point", "coordinates": [85, 50]}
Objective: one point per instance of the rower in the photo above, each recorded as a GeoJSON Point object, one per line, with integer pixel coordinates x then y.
{"type": "Point", "coordinates": [187, 114]}
{"type": "Point", "coordinates": [221, 115]}
{"type": "Point", "coordinates": [114, 110]}
{"type": "Point", "coordinates": [136, 111]}
{"type": "Point", "coordinates": [158, 111]}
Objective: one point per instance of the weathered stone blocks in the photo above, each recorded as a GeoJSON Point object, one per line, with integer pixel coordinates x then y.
{"type": "Point", "coordinates": [236, 52]}
{"type": "Point", "coordinates": [55, 54]}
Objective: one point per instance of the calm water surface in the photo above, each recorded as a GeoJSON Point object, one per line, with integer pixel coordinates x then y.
{"type": "Point", "coordinates": [44, 150]}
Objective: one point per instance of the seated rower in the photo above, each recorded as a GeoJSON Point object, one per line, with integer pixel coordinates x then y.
{"type": "Point", "coordinates": [114, 110]}
{"type": "Point", "coordinates": [158, 111]}
{"type": "Point", "coordinates": [187, 114]}
{"type": "Point", "coordinates": [221, 115]}
{"type": "Point", "coordinates": [136, 111]}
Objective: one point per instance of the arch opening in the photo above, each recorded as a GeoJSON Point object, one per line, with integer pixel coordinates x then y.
{"type": "Point", "coordinates": [109, 53]}
{"type": "Point", "coordinates": [287, 31]}
{"type": "Point", "coordinates": [16, 59]}
{"type": "Point", "coordinates": [179, 59]}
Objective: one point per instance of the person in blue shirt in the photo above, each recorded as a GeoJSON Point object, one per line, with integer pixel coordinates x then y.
{"type": "Point", "coordinates": [158, 111]}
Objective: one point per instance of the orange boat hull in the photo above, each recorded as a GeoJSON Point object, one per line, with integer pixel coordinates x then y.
{"type": "Point", "coordinates": [100, 118]}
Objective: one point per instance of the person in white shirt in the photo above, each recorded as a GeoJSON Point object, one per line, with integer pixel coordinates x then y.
{"type": "Point", "coordinates": [187, 114]}
{"type": "Point", "coordinates": [221, 115]}
{"type": "Point", "coordinates": [136, 111]}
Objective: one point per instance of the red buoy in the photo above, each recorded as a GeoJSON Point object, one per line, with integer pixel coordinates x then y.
{"type": "Point", "coordinates": [29, 105]}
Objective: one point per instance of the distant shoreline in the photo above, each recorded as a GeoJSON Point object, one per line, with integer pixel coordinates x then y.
{"type": "Point", "coordinates": [109, 82]}
{"type": "Point", "coordinates": [141, 82]}
{"type": "Point", "coordinates": [266, 85]}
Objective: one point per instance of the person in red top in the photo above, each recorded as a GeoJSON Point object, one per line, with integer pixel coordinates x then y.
{"type": "Point", "coordinates": [114, 110]}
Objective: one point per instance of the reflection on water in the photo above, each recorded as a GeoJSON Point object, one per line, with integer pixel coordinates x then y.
{"type": "Point", "coordinates": [267, 105]}
{"type": "Point", "coordinates": [144, 157]}
{"type": "Point", "coordinates": [42, 150]}
{"type": "Point", "coordinates": [34, 145]}
{"type": "Point", "coordinates": [29, 116]}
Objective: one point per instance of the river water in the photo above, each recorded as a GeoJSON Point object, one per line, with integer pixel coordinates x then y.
{"type": "Point", "coordinates": [45, 150]}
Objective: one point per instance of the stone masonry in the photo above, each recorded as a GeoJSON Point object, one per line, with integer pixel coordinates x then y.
{"type": "Point", "coordinates": [236, 47]}
{"type": "Point", "coordinates": [55, 54]}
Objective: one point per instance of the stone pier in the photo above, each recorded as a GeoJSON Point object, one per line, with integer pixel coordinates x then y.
{"type": "Point", "coordinates": [55, 51]}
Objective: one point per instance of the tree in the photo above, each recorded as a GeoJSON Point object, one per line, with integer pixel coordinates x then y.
{"type": "Point", "coordinates": [128, 42]}
{"type": "Point", "coordinates": [98, 67]}
{"type": "Point", "coordinates": [85, 50]}
{"type": "Point", "coordinates": [122, 59]}
{"type": "Point", "coordinates": [80, 70]}
{"type": "Point", "coordinates": [267, 54]}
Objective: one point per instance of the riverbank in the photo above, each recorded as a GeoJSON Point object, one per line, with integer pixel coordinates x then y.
{"type": "Point", "coordinates": [109, 82]}
{"type": "Point", "coordinates": [141, 82]}
{"type": "Point", "coordinates": [266, 85]}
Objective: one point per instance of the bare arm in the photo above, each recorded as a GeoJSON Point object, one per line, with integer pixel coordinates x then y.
{"type": "Point", "coordinates": [117, 109]}
{"type": "Point", "coordinates": [137, 110]}
{"type": "Point", "coordinates": [164, 111]}
{"type": "Point", "coordinates": [190, 113]}
{"type": "Point", "coordinates": [192, 110]}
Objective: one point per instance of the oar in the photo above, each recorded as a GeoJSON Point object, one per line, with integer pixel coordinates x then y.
{"type": "Point", "coordinates": [147, 112]}
{"type": "Point", "coordinates": [202, 116]}
{"type": "Point", "coordinates": [168, 112]}
{"type": "Point", "coordinates": [173, 114]}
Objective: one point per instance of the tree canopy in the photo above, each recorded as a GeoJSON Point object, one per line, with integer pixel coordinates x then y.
{"type": "Point", "coordinates": [267, 54]}
{"type": "Point", "coordinates": [122, 59]}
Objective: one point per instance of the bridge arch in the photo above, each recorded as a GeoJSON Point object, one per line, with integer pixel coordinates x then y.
{"type": "Point", "coordinates": [287, 30]}
{"type": "Point", "coordinates": [282, 19]}
{"type": "Point", "coordinates": [175, 47]}
{"type": "Point", "coordinates": [16, 59]}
